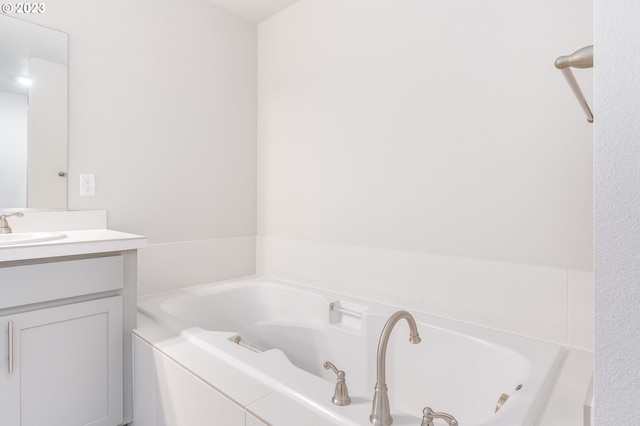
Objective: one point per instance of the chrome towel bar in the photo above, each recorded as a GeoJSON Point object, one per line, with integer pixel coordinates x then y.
{"type": "Point", "coordinates": [581, 58]}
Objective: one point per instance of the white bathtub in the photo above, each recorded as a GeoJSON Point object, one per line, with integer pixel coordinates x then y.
{"type": "Point", "coordinates": [287, 332]}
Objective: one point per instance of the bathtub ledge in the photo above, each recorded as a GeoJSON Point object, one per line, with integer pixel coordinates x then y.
{"type": "Point", "coordinates": [229, 381]}
{"type": "Point", "coordinates": [265, 403]}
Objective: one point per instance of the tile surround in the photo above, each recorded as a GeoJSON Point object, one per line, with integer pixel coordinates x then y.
{"type": "Point", "coordinates": [365, 272]}
{"type": "Point", "coordinates": [566, 405]}
{"type": "Point", "coordinates": [522, 299]}
{"type": "Point", "coordinates": [164, 267]}
{"type": "Point", "coordinates": [552, 304]}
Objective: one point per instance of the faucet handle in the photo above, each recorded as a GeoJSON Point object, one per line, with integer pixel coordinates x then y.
{"type": "Point", "coordinates": [4, 225]}
{"type": "Point", "coordinates": [428, 415]}
{"type": "Point", "coordinates": [341, 394]}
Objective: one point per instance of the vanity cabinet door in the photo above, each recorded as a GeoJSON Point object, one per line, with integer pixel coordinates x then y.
{"type": "Point", "coordinates": [62, 366]}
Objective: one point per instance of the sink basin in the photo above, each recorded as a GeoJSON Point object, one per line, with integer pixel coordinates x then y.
{"type": "Point", "coordinates": [29, 237]}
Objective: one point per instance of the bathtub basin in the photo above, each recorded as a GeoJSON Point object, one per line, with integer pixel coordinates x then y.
{"type": "Point", "coordinates": [282, 333]}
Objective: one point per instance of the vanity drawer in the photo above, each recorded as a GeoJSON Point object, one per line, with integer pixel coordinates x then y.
{"type": "Point", "coordinates": [23, 283]}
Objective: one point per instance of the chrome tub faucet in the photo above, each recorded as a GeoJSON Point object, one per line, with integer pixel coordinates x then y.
{"type": "Point", "coordinates": [341, 394]}
{"type": "Point", "coordinates": [428, 415]}
{"type": "Point", "coordinates": [380, 413]}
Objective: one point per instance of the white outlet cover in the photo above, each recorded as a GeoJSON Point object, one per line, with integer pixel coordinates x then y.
{"type": "Point", "coordinates": [87, 185]}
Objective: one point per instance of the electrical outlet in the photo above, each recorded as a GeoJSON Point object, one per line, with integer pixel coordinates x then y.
{"type": "Point", "coordinates": [87, 185]}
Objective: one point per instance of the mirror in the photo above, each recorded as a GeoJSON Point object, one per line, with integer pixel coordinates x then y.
{"type": "Point", "coordinates": [33, 115]}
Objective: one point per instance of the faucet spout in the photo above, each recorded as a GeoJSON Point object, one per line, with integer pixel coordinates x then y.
{"type": "Point", "coordinates": [381, 413]}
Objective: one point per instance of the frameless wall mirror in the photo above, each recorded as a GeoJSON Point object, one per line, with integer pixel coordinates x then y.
{"type": "Point", "coordinates": [33, 115]}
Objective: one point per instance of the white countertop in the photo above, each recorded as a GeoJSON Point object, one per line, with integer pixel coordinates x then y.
{"type": "Point", "coordinates": [75, 243]}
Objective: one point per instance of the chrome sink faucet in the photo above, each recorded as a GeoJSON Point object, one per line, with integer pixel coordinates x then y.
{"type": "Point", "coordinates": [381, 413]}
{"type": "Point", "coordinates": [4, 225]}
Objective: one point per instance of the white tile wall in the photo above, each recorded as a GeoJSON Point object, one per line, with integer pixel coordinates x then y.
{"type": "Point", "coordinates": [523, 299]}
{"type": "Point", "coordinates": [568, 398]}
{"type": "Point", "coordinates": [368, 272]}
{"type": "Point", "coordinates": [163, 267]}
{"type": "Point", "coordinates": [552, 304]}
{"type": "Point", "coordinates": [143, 378]}
{"type": "Point", "coordinates": [251, 420]}
{"type": "Point", "coordinates": [573, 384]}
{"type": "Point", "coordinates": [277, 409]}
{"type": "Point", "coordinates": [556, 415]}
{"type": "Point", "coordinates": [182, 398]}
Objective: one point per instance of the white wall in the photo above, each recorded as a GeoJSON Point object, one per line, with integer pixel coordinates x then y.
{"type": "Point", "coordinates": [162, 108]}
{"type": "Point", "coordinates": [617, 212]}
{"type": "Point", "coordinates": [429, 155]}
{"type": "Point", "coordinates": [13, 146]}
{"type": "Point", "coordinates": [437, 127]}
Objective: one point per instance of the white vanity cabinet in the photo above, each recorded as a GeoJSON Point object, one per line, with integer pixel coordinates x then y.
{"type": "Point", "coordinates": [63, 365]}
{"type": "Point", "coordinates": [67, 311]}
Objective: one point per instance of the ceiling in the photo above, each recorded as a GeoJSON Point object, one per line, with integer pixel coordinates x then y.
{"type": "Point", "coordinates": [253, 10]}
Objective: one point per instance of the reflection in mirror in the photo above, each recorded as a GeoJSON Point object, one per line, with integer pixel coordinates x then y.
{"type": "Point", "coordinates": [33, 115]}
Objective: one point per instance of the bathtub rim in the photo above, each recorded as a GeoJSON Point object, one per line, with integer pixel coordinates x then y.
{"type": "Point", "coordinates": [554, 355]}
